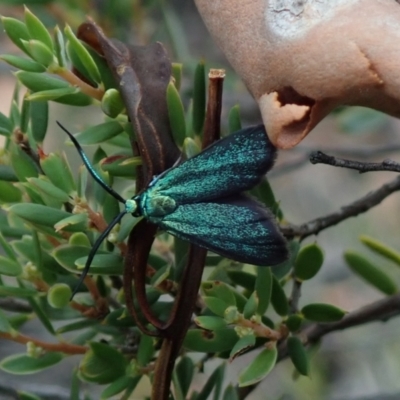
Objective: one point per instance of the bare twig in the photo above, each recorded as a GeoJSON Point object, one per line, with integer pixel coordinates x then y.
{"type": "Point", "coordinates": [304, 156]}
{"type": "Point", "coordinates": [319, 157]}
{"type": "Point", "coordinates": [351, 210]}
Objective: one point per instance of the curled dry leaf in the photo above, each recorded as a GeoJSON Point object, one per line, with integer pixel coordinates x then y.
{"type": "Point", "coordinates": [302, 59]}
{"type": "Point", "coordinates": [142, 74]}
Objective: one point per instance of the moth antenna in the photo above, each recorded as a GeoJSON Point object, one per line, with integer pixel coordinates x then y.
{"type": "Point", "coordinates": [89, 167]}
{"type": "Point", "coordinates": [94, 249]}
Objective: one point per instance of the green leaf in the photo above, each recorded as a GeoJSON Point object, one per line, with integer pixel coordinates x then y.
{"type": "Point", "coordinates": [121, 166]}
{"type": "Point", "coordinates": [83, 54]}
{"type": "Point", "coordinates": [214, 381]}
{"type": "Point", "coordinates": [59, 45]}
{"type": "Point", "coordinates": [102, 364]}
{"type": "Point", "coordinates": [220, 290]}
{"type": "Point", "coordinates": [22, 395]}
{"type": "Point", "coordinates": [278, 298]}
{"type": "Point", "coordinates": [146, 350]}
{"type": "Point", "coordinates": [370, 273]}
{"type": "Point", "coordinates": [263, 288]}
{"type": "Point", "coordinates": [259, 368]}
{"type": "Point", "coordinates": [9, 267]}
{"type": "Point", "coordinates": [59, 295]}
{"type": "Point", "coordinates": [190, 147]}
{"type": "Point", "coordinates": [210, 341]}
{"type": "Point", "coordinates": [53, 94]}
{"type": "Point", "coordinates": [381, 248]}
{"type": "Point", "coordinates": [9, 193]}
{"type": "Point", "coordinates": [112, 103]}
{"type": "Point", "coordinates": [234, 122]}
{"type": "Point", "coordinates": [294, 322]}
{"type": "Point", "coordinates": [244, 279]}
{"type": "Point", "coordinates": [298, 355]}
{"type": "Point", "coordinates": [45, 83]}
{"type": "Point", "coordinates": [56, 166]}
{"type": "Point", "coordinates": [16, 291]}
{"type": "Point", "coordinates": [37, 30]}
{"type": "Point", "coordinates": [308, 262]}
{"type": "Point", "coordinates": [320, 312]}
{"type": "Point", "coordinates": [39, 52]}
{"type": "Point", "coordinates": [250, 309]}
{"type": "Point", "coordinates": [199, 98]}
{"type": "Point", "coordinates": [22, 164]}
{"type": "Point", "coordinates": [243, 344]}
{"type": "Point", "coordinates": [217, 306]}
{"type": "Point", "coordinates": [39, 120]}
{"type": "Point", "coordinates": [73, 258]}
{"type": "Point", "coordinates": [72, 223]}
{"type": "Point", "coordinates": [5, 325]}
{"type": "Point", "coordinates": [21, 364]}
{"type": "Point", "coordinates": [7, 174]}
{"type": "Point", "coordinates": [185, 373]}
{"type": "Point", "coordinates": [210, 323]}
{"type": "Point", "coordinates": [230, 393]}
{"type": "Point", "coordinates": [8, 250]}
{"type": "Point", "coordinates": [46, 187]}
{"type": "Point", "coordinates": [119, 385]}
{"type": "Point", "coordinates": [37, 82]}
{"type": "Point", "coordinates": [177, 74]}
{"type": "Point", "coordinates": [38, 214]}
{"type": "Point", "coordinates": [23, 63]}
{"type": "Point", "coordinates": [6, 126]}
{"type": "Point", "coordinates": [39, 309]}
{"type": "Point", "coordinates": [16, 31]}
{"type": "Point", "coordinates": [78, 325]}
{"type": "Point", "coordinates": [99, 133]}
{"type": "Point", "coordinates": [176, 114]}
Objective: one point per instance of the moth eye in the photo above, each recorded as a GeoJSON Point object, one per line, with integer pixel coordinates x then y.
{"type": "Point", "coordinates": [162, 205]}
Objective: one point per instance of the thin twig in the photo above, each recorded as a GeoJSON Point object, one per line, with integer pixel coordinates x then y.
{"type": "Point", "coordinates": [304, 156]}
{"type": "Point", "coordinates": [66, 348]}
{"type": "Point", "coordinates": [351, 210]}
{"type": "Point", "coordinates": [318, 157]}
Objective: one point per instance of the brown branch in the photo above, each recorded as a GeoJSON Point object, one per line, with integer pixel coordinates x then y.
{"type": "Point", "coordinates": [66, 348]}
{"type": "Point", "coordinates": [304, 156]}
{"type": "Point", "coordinates": [319, 157]}
{"type": "Point", "coordinates": [351, 210]}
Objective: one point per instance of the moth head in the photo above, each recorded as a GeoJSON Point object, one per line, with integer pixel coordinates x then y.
{"type": "Point", "coordinates": [131, 206]}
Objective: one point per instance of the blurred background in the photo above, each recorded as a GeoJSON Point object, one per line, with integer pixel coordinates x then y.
{"type": "Point", "coordinates": [359, 363]}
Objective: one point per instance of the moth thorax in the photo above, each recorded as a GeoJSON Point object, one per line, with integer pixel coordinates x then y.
{"type": "Point", "coordinates": [130, 206]}
{"type": "Point", "coordinates": [162, 205]}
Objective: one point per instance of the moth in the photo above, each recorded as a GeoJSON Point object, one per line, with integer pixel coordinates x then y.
{"type": "Point", "coordinates": [202, 200]}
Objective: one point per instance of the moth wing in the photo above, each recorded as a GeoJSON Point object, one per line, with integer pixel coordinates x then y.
{"type": "Point", "coordinates": [232, 165]}
{"type": "Point", "coordinates": [239, 228]}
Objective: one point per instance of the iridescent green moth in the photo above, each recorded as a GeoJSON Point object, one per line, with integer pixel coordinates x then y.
{"type": "Point", "coordinates": [202, 200]}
